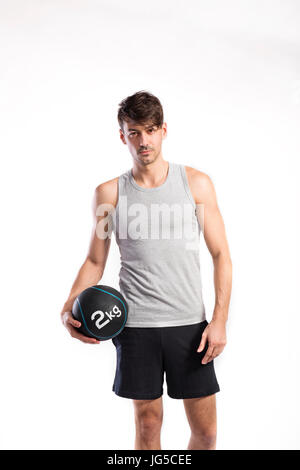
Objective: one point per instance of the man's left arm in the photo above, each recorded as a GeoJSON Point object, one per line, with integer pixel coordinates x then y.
{"type": "Point", "coordinates": [213, 228]}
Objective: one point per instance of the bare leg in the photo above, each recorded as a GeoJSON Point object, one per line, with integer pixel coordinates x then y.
{"type": "Point", "coordinates": [202, 418]}
{"type": "Point", "coordinates": [148, 422]}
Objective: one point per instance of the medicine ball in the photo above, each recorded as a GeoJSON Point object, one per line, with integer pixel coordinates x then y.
{"type": "Point", "coordinates": [102, 311]}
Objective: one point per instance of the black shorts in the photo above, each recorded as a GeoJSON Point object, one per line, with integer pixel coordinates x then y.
{"type": "Point", "coordinates": [145, 354]}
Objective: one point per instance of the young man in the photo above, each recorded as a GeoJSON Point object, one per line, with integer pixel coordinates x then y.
{"type": "Point", "coordinates": [166, 329]}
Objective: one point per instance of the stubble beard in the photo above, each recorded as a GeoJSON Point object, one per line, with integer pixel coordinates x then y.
{"type": "Point", "coordinates": [147, 160]}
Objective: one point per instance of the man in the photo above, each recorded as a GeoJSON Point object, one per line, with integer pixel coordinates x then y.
{"type": "Point", "coordinates": [166, 330]}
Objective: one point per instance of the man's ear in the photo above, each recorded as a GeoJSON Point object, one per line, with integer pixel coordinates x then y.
{"type": "Point", "coordinates": [122, 137]}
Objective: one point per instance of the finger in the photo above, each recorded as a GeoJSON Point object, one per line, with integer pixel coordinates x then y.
{"type": "Point", "coordinates": [217, 351]}
{"type": "Point", "coordinates": [208, 355]}
{"type": "Point", "coordinates": [202, 342]}
{"type": "Point", "coordinates": [81, 337]}
{"type": "Point", "coordinates": [86, 339]}
{"type": "Point", "coordinates": [207, 359]}
{"type": "Point", "coordinates": [74, 322]}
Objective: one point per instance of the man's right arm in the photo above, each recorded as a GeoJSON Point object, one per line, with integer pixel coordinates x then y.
{"type": "Point", "coordinates": [93, 267]}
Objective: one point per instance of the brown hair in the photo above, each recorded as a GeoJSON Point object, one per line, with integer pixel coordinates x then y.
{"type": "Point", "coordinates": [142, 107]}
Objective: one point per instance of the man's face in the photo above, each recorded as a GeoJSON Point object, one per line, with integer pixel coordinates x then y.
{"type": "Point", "coordinates": [144, 142]}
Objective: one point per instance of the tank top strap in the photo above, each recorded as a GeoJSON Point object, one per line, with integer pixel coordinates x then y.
{"type": "Point", "coordinates": [186, 185]}
{"type": "Point", "coordinates": [122, 183]}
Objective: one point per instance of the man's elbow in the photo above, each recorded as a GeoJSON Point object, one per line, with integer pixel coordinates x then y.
{"type": "Point", "coordinates": [223, 255]}
{"type": "Point", "coordinates": [95, 265]}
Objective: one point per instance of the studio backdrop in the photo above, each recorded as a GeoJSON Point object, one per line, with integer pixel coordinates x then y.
{"type": "Point", "coordinates": [228, 76]}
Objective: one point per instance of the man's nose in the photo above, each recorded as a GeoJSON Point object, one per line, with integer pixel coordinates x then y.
{"type": "Point", "coordinates": [144, 140]}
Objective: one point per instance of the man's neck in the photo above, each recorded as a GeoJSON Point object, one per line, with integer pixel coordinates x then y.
{"type": "Point", "coordinates": [151, 175]}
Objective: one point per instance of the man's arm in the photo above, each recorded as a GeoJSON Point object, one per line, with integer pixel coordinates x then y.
{"type": "Point", "coordinates": [214, 234]}
{"type": "Point", "coordinates": [93, 267]}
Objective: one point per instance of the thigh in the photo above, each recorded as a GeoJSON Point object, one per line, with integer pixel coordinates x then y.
{"type": "Point", "coordinates": [148, 409]}
{"type": "Point", "coordinates": [201, 413]}
{"type": "Point", "coordinates": [186, 376]}
{"type": "Point", "coordinates": [139, 371]}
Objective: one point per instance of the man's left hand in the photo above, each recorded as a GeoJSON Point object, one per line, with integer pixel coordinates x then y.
{"type": "Point", "coordinates": [215, 334]}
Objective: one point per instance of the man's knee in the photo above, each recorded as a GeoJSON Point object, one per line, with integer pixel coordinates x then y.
{"type": "Point", "coordinates": [207, 436]}
{"type": "Point", "coordinates": [149, 427]}
{"type": "Point", "coordinates": [148, 422]}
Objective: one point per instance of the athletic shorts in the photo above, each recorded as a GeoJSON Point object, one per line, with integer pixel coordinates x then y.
{"type": "Point", "coordinates": [145, 354]}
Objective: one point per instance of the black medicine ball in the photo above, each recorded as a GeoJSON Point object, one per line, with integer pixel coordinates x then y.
{"type": "Point", "coordinates": [102, 312]}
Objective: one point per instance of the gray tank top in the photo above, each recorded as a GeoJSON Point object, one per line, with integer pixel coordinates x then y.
{"type": "Point", "coordinates": [158, 235]}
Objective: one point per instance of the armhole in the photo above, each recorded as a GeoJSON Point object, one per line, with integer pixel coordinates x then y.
{"type": "Point", "coordinates": [186, 185]}
{"type": "Point", "coordinates": [118, 193]}
{"type": "Point", "coordinates": [113, 214]}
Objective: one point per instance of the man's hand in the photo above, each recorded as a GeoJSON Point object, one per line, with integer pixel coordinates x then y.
{"type": "Point", "coordinates": [215, 334]}
{"type": "Point", "coordinates": [71, 324]}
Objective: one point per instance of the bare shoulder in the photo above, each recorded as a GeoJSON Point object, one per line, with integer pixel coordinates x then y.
{"type": "Point", "coordinates": [107, 192]}
{"type": "Point", "coordinates": [197, 176]}
{"type": "Point", "coordinates": [201, 185]}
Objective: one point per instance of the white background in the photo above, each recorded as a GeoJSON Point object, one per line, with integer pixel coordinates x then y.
{"type": "Point", "coordinates": [228, 76]}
